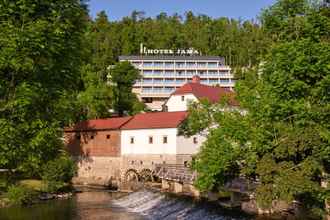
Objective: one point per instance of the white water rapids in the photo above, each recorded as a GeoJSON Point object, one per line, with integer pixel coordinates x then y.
{"type": "Point", "coordinates": [156, 205]}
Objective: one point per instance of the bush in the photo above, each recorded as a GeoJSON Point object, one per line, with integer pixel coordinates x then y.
{"type": "Point", "coordinates": [58, 172]}
{"type": "Point", "coordinates": [19, 195]}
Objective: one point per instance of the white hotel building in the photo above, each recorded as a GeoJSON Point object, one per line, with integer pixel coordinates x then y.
{"type": "Point", "coordinates": [162, 74]}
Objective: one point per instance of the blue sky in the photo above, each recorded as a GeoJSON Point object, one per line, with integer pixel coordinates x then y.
{"type": "Point", "coordinates": [116, 9]}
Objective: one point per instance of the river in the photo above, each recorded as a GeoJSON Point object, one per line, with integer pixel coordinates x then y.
{"type": "Point", "coordinates": [101, 205]}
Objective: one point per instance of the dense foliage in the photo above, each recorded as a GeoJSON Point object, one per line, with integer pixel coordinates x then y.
{"type": "Point", "coordinates": [241, 43]}
{"type": "Point", "coordinates": [282, 138]}
{"type": "Point", "coordinates": [40, 58]}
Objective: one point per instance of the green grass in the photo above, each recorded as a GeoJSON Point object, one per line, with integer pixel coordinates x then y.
{"type": "Point", "coordinates": [33, 184]}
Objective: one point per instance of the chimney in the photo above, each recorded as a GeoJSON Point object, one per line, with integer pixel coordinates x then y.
{"type": "Point", "coordinates": [196, 79]}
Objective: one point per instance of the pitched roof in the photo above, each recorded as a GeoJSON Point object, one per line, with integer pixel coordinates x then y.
{"type": "Point", "coordinates": [212, 93]}
{"type": "Point", "coordinates": [100, 124]}
{"type": "Point", "coordinates": [156, 120]}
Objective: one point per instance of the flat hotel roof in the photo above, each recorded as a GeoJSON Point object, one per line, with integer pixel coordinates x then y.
{"type": "Point", "coordinates": [162, 57]}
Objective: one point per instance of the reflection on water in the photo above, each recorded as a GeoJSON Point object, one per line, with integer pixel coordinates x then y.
{"type": "Point", "coordinates": [83, 206]}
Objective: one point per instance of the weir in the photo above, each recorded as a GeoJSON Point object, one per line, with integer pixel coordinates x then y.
{"type": "Point", "coordinates": [156, 205]}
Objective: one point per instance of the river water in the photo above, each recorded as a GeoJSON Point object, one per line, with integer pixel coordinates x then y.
{"type": "Point", "coordinates": [101, 205]}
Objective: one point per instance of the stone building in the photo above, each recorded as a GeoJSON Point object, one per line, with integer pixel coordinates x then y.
{"type": "Point", "coordinates": [96, 146]}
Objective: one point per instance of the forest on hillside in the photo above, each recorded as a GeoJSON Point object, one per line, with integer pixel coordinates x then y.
{"type": "Point", "coordinates": [241, 43]}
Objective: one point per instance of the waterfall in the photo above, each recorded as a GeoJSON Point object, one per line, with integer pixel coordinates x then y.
{"type": "Point", "coordinates": [156, 205]}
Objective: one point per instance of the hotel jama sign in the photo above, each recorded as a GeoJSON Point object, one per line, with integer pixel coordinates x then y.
{"type": "Point", "coordinates": [146, 51]}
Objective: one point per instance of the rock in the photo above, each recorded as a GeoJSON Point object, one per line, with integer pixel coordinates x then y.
{"type": "Point", "coordinates": [64, 196]}
{"type": "Point", "coordinates": [46, 196]}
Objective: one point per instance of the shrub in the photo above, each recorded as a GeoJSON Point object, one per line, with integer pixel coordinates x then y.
{"type": "Point", "coordinates": [58, 172]}
{"type": "Point", "coordinates": [19, 195]}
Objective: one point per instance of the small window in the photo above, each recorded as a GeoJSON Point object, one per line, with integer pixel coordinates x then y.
{"type": "Point", "coordinates": [92, 137]}
{"type": "Point", "coordinates": [108, 136]}
{"type": "Point", "coordinates": [164, 139]}
{"type": "Point", "coordinates": [182, 98]}
{"type": "Point", "coordinates": [151, 140]}
{"type": "Point", "coordinates": [78, 136]}
{"type": "Point", "coordinates": [195, 140]}
{"type": "Point", "coordinates": [132, 140]}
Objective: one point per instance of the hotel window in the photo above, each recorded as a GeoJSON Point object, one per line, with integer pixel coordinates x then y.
{"type": "Point", "coordinates": [195, 140]}
{"type": "Point", "coordinates": [204, 81]}
{"type": "Point", "coordinates": [147, 81]}
{"type": "Point", "coordinates": [169, 81]}
{"type": "Point", "coordinates": [157, 90]}
{"type": "Point", "coordinates": [213, 81]}
{"type": "Point", "coordinates": [158, 81]}
{"type": "Point", "coordinates": [212, 64]}
{"type": "Point", "coordinates": [225, 81]}
{"type": "Point", "coordinates": [191, 73]}
{"type": "Point", "coordinates": [147, 64]}
{"type": "Point", "coordinates": [182, 98]}
{"type": "Point", "coordinates": [168, 89]}
{"type": "Point", "coordinates": [164, 139]}
{"type": "Point", "coordinates": [147, 72]}
{"type": "Point", "coordinates": [191, 64]}
{"type": "Point", "coordinates": [180, 73]}
{"type": "Point", "coordinates": [147, 90]}
{"type": "Point", "coordinates": [179, 64]}
{"type": "Point", "coordinates": [180, 81]}
{"type": "Point", "coordinates": [201, 64]}
{"type": "Point", "coordinates": [108, 136]}
{"type": "Point", "coordinates": [92, 137]}
{"type": "Point", "coordinates": [169, 73]}
{"type": "Point", "coordinates": [213, 73]}
{"type": "Point", "coordinates": [158, 64]}
{"type": "Point", "coordinates": [151, 139]}
{"type": "Point", "coordinates": [223, 72]}
{"type": "Point", "coordinates": [132, 140]}
{"type": "Point", "coordinates": [158, 73]}
{"type": "Point", "coordinates": [78, 136]}
{"type": "Point", "coordinates": [169, 64]}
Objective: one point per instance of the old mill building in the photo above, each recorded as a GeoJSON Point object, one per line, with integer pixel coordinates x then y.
{"type": "Point", "coordinates": [110, 150]}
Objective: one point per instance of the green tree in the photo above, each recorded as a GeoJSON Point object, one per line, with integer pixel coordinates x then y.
{"type": "Point", "coordinates": [281, 139]}
{"type": "Point", "coordinates": [122, 77]}
{"type": "Point", "coordinates": [39, 69]}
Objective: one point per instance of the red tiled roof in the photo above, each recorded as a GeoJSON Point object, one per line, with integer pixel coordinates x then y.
{"type": "Point", "coordinates": [156, 120]}
{"type": "Point", "coordinates": [100, 124]}
{"type": "Point", "coordinates": [212, 93]}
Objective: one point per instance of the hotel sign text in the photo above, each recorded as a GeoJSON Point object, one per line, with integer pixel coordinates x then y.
{"type": "Point", "coordinates": [147, 51]}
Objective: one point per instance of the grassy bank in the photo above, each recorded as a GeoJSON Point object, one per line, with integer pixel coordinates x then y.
{"type": "Point", "coordinates": [29, 191]}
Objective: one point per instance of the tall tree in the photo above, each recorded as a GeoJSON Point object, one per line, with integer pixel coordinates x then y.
{"type": "Point", "coordinates": [39, 69]}
{"type": "Point", "coordinates": [122, 77]}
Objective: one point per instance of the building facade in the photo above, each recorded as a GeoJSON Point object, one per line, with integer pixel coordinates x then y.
{"type": "Point", "coordinates": [95, 145]}
{"type": "Point", "coordinates": [109, 151]}
{"type": "Point", "coordinates": [163, 74]}
{"type": "Point", "coordinates": [195, 91]}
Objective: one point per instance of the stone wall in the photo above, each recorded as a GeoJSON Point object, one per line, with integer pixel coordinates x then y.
{"type": "Point", "coordinates": [98, 170]}
{"type": "Point", "coordinates": [107, 170]}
